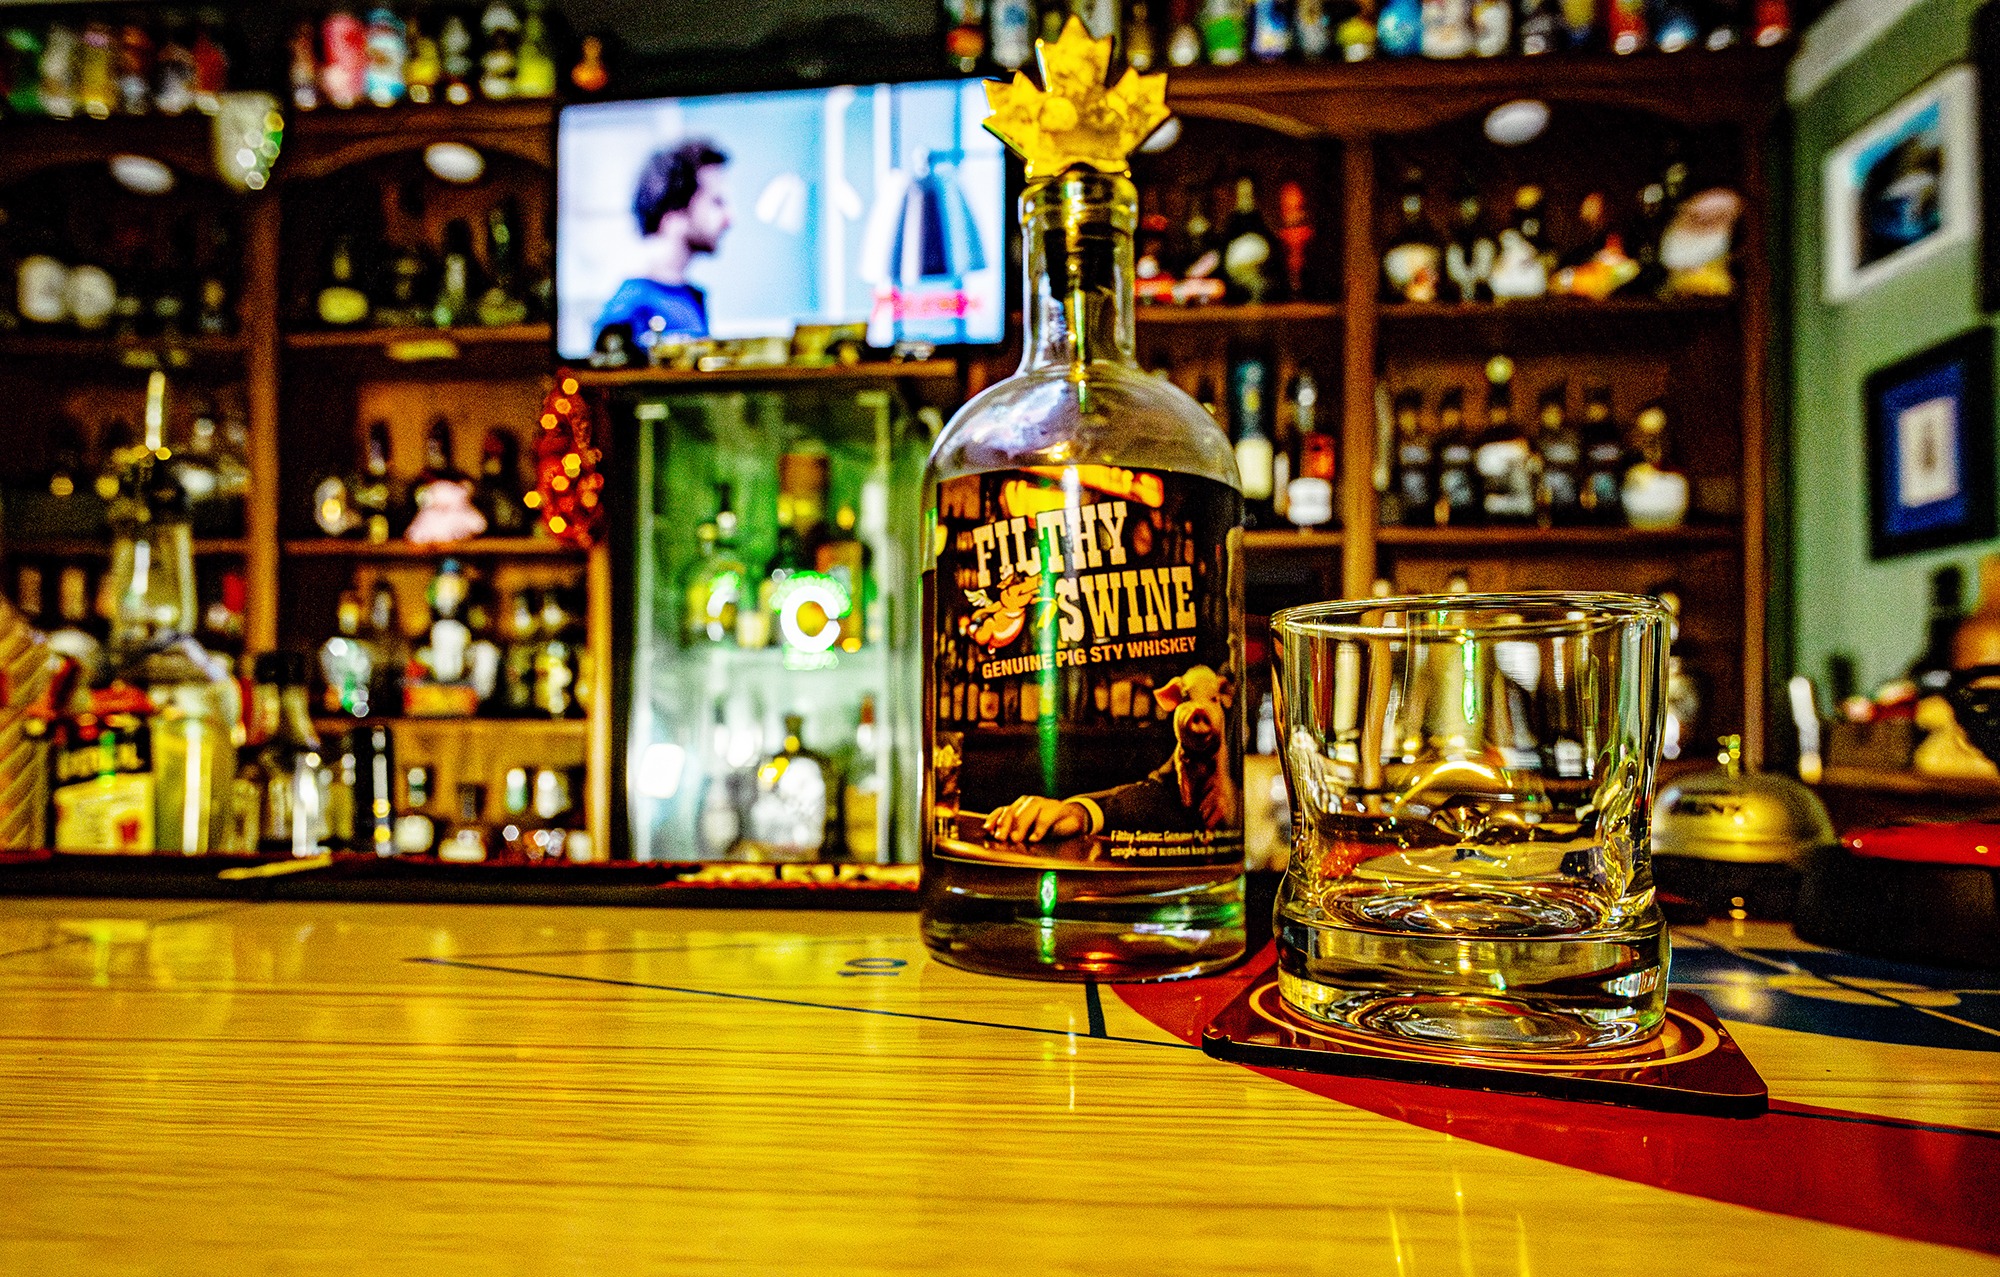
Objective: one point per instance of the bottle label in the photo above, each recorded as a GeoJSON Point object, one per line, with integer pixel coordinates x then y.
{"type": "Point", "coordinates": [1082, 693]}
{"type": "Point", "coordinates": [101, 788]}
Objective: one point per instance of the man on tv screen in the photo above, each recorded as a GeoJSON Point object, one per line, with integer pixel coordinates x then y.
{"type": "Point", "coordinates": [683, 208]}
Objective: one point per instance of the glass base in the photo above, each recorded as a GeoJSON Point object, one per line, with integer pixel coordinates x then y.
{"type": "Point", "coordinates": [1455, 991]}
{"type": "Point", "coordinates": [1167, 935]}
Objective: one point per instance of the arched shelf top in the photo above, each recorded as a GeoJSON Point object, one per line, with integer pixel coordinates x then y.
{"type": "Point", "coordinates": [321, 143]}
{"type": "Point", "coordinates": [183, 143]}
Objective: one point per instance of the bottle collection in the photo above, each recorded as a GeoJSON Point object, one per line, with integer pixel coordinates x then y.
{"type": "Point", "coordinates": [384, 55]}
{"type": "Point", "coordinates": [983, 34]}
{"type": "Point", "coordinates": [1198, 247]}
{"type": "Point", "coordinates": [99, 63]}
{"type": "Point", "coordinates": [768, 797]}
{"type": "Point", "coordinates": [1453, 460]}
{"type": "Point", "coordinates": [440, 504]}
{"type": "Point", "coordinates": [522, 656]}
{"type": "Point", "coordinates": [1675, 243]}
{"type": "Point", "coordinates": [116, 278]}
{"type": "Point", "coordinates": [816, 597]}
{"type": "Point", "coordinates": [467, 278]}
{"type": "Point", "coordinates": [1286, 450]}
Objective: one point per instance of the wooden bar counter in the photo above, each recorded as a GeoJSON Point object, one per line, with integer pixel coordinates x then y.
{"type": "Point", "coordinates": [327, 1087]}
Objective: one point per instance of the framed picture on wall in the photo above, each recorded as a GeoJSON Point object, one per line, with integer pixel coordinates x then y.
{"type": "Point", "coordinates": [1930, 447]}
{"type": "Point", "coordinates": [1903, 187]}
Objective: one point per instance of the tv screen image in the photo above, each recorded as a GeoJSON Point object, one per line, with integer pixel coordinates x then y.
{"type": "Point", "coordinates": [743, 215]}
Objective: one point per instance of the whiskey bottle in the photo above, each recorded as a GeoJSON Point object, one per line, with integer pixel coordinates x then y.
{"type": "Point", "coordinates": [1458, 496]}
{"type": "Point", "coordinates": [374, 494]}
{"type": "Point", "coordinates": [291, 803]}
{"type": "Point", "coordinates": [1140, 50]}
{"type": "Point", "coordinates": [1045, 494]}
{"type": "Point", "coordinates": [458, 281]}
{"type": "Point", "coordinates": [1598, 498]}
{"type": "Point", "coordinates": [1557, 492]}
{"type": "Point", "coordinates": [1309, 494]}
{"type": "Point", "coordinates": [1410, 265]}
{"type": "Point", "coordinates": [1248, 379]}
{"type": "Point", "coordinates": [1414, 462]}
{"type": "Point", "coordinates": [716, 580]}
{"type": "Point", "coordinates": [864, 816]}
{"type": "Point", "coordinates": [498, 492]}
{"type": "Point", "coordinates": [1503, 457]}
{"type": "Point", "coordinates": [1246, 247]}
{"type": "Point", "coordinates": [341, 303]}
{"type": "Point", "coordinates": [794, 815]}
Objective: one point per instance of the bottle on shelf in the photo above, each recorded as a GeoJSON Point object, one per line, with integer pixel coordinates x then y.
{"type": "Point", "coordinates": [343, 66]}
{"type": "Point", "coordinates": [844, 559]}
{"type": "Point", "coordinates": [407, 281]}
{"type": "Point", "coordinates": [302, 65]}
{"type": "Point", "coordinates": [1504, 457]}
{"type": "Point", "coordinates": [458, 277]}
{"type": "Point", "coordinates": [1249, 376]}
{"type": "Point", "coordinates": [372, 747]}
{"type": "Point", "coordinates": [389, 650]}
{"type": "Point", "coordinates": [1674, 24]}
{"type": "Point", "coordinates": [1225, 30]}
{"type": "Point", "coordinates": [1932, 669]}
{"type": "Point", "coordinates": [504, 301]}
{"type": "Point", "coordinates": [1625, 25]}
{"type": "Point", "coordinates": [1010, 876]}
{"type": "Point", "coordinates": [499, 61]}
{"type": "Point", "coordinates": [1604, 461]}
{"type": "Point", "coordinates": [422, 72]}
{"type": "Point", "coordinates": [1654, 493]}
{"type": "Point", "coordinates": [445, 689]}
{"type": "Point", "coordinates": [79, 637]}
{"type": "Point", "coordinates": [795, 813]}
{"type": "Point", "coordinates": [557, 671]}
{"type": "Point", "coordinates": [864, 815]}
{"type": "Point", "coordinates": [464, 840]}
{"type": "Point", "coordinates": [1599, 266]}
{"type": "Point", "coordinates": [1399, 29]}
{"type": "Point", "coordinates": [387, 41]}
{"type": "Point", "coordinates": [1013, 33]}
{"type": "Point", "coordinates": [1246, 248]}
{"type": "Point", "coordinates": [720, 822]}
{"type": "Point", "coordinates": [455, 58]}
{"type": "Point", "coordinates": [497, 494]}
{"type": "Point", "coordinates": [1492, 27]}
{"type": "Point", "coordinates": [341, 302]}
{"type": "Point", "coordinates": [1359, 31]}
{"type": "Point", "coordinates": [416, 833]}
{"type": "Point", "coordinates": [591, 74]}
{"type": "Point", "coordinates": [1309, 493]}
{"type": "Point", "coordinates": [1540, 27]}
{"type": "Point", "coordinates": [1520, 266]}
{"type": "Point", "coordinates": [1559, 475]}
{"type": "Point", "coordinates": [346, 664]}
{"type": "Point", "coordinates": [1447, 28]}
{"type": "Point", "coordinates": [375, 494]}
{"type": "Point", "coordinates": [1458, 502]}
{"type": "Point", "coordinates": [1295, 232]}
{"type": "Point", "coordinates": [442, 495]}
{"type": "Point", "coordinates": [1183, 37]}
{"type": "Point", "coordinates": [525, 639]}
{"type": "Point", "coordinates": [1270, 30]}
{"type": "Point", "coordinates": [1468, 259]}
{"type": "Point", "coordinates": [1313, 29]}
{"type": "Point", "coordinates": [1141, 50]}
{"type": "Point", "coordinates": [1200, 256]}
{"type": "Point", "coordinates": [290, 800]}
{"type": "Point", "coordinates": [1414, 462]}
{"type": "Point", "coordinates": [716, 580]}
{"type": "Point", "coordinates": [1411, 264]}
{"type": "Point", "coordinates": [1581, 24]}
{"type": "Point", "coordinates": [535, 62]}
{"type": "Point", "coordinates": [338, 778]}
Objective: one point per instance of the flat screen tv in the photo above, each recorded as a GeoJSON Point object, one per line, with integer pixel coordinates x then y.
{"type": "Point", "coordinates": [743, 215]}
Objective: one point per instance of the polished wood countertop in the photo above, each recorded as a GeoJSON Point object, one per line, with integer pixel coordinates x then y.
{"type": "Point", "coordinates": [292, 1087]}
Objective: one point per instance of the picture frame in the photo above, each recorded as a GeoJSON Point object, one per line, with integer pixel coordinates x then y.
{"type": "Point", "coordinates": [1903, 188]}
{"type": "Point", "coordinates": [1930, 447]}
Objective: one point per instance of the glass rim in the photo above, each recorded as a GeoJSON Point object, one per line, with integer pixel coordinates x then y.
{"type": "Point", "coordinates": [1340, 618]}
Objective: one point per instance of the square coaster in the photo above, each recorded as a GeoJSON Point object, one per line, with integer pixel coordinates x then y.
{"type": "Point", "coordinates": [1691, 1066]}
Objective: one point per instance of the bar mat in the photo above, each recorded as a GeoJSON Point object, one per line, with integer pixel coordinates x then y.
{"type": "Point", "coordinates": [1691, 1066]}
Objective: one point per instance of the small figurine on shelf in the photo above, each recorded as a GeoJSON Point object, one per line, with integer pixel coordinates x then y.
{"type": "Point", "coordinates": [1295, 232]}
{"type": "Point", "coordinates": [1468, 259]}
{"type": "Point", "coordinates": [1520, 269]}
{"type": "Point", "coordinates": [1655, 496]}
{"type": "Point", "coordinates": [1695, 248]}
{"type": "Point", "coordinates": [343, 64]}
{"type": "Point", "coordinates": [445, 511]}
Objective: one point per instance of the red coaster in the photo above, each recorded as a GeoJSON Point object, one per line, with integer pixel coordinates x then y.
{"type": "Point", "coordinates": [1691, 1066]}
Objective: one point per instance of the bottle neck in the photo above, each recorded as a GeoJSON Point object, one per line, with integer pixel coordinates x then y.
{"type": "Point", "coordinates": [1077, 258]}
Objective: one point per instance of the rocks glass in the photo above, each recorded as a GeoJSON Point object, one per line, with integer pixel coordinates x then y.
{"type": "Point", "coordinates": [1472, 778]}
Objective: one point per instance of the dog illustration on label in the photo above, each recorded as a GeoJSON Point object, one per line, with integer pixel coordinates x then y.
{"type": "Point", "coordinates": [1192, 792]}
{"type": "Point", "coordinates": [997, 622]}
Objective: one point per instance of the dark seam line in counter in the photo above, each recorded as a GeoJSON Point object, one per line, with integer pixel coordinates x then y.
{"type": "Point", "coordinates": [788, 1002]}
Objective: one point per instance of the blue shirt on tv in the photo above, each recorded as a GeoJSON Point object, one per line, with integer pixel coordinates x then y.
{"type": "Point", "coordinates": [680, 308]}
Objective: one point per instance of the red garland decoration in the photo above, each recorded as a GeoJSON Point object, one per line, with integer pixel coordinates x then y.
{"type": "Point", "coordinates": [569, 491]}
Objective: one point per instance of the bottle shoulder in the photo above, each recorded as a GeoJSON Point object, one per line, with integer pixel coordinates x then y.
{"type": "Point", "coordinates": [1112, 415]}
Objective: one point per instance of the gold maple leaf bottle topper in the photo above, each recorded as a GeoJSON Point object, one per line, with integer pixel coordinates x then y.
{"type": "Point", "coordinates": [1075, 119]}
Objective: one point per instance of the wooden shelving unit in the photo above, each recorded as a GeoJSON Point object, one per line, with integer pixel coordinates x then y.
{"type": "Point", "coordinates": [482, 547]}
{"type": "Point", "coordinates": [832, 376]}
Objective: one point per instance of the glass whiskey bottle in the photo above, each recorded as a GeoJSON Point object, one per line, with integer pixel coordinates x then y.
{"type": "Point", "coordinates": [1082, 517]}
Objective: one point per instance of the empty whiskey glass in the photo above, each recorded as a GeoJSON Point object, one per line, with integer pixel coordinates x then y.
{"type": "Point", "coordinates": [1471, 778]}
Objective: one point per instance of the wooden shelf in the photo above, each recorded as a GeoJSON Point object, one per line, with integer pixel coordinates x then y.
{"type": "Point", "coordinates": [481, 547]}
{"type": "Point", "coordinates": [837, 375]}
{"type": "Point", "coordinates": [1293, 541]}
{"type": "Point", "coordinates": [1909, 784]}
{"type": "Point", "coordinates": [1238, 316]}
{"type": "Point", "coordinates": [1554, 308]}
{"type": "Point", "coordinates": [471, 727]}
{"type": "Point", "coordinates": [83, 354]}
{"type": "Point", "coordinates": [1514, 540]}
{"type": "Point", "coordinates": [321, 142]}
{"type": "Point", "coordinates": [515, 350]}
{"type": "Point", "coordinates": [30, 145]}
{"type": "Point", "coordinates": [93, 548]}
{"type": "Point", "coordinates": [385, 339]}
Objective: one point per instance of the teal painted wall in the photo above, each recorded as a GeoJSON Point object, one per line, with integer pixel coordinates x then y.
{"type": "Point", "coordinates": [1842, 602]}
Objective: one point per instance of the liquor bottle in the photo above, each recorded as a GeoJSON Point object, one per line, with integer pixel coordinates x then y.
{"type": "Point", "coordinates": [96, 79]}
{"type": "Point", "coordinates": [504, 301]}
{"type": "Point", "coordinates": [1520, 267]}
{"type": "Point", "coordinates": [483, 656]}
{"type": "Point", "coordinates": [1725, 25]}
{"type": "Point", "coordinates": [1246, 248]}
{"type": "Point", "coordinates": [1541, 27]}
{"type": "Point", "coordinates": [450, 640]}
{"type": "Point", "coordinates": [75, 637]}
{"type": "Point", "coordinates": [389, 651]}
{"type": "Point", "coordinates": [425, 67]}
{"type": "Point", "coordinates": [346, 664]}
{"type": "Point", "coordinates": [1200, 256]}
{"type": "Point", "coordinates": [407, 282]}
{"type": "Point", "coordinates": [1049, 22]}
{"type": "Point", "coordinates": [1625, 25]}
{"type": "Point", "coordinates": [1447, 28]}
{"type": "Point", "coordinates": [843, 559]}
{"type": "Point", "coordinates": [341, 303]}
{"type": "Point", "coordinates": [1683, 691]}
{"type": "Point", "coordinates": [302, 66]}
{"type": "Point", "coordinates": [719, 819]}
{"type": "Point", "coordinates": [1503, 455]}
{"type": "Point", "coordinates": [1414, 462]}
{"type": "Point", "coordinates": [1603, 461]}
{"type": "Point", "coordinates": [62, 52]}
{"type": "Point", "coordinates": [416, 833]}
{"type": "Point", "coordinates": [173, 68]}
{"type": "Point", "coordinates": [1295, 232]}
{"type": "Point", "coordinates": [500, 61]}
{"type": "Point", "coordinates": [455, 58]}
{"type": "Point", "coordinates": [557, 673]}
{"type": "Point", "coordinates": [373, 750]}
{"type": "Point", "coordinates": [133, 61]}
{"type": "Point", "coordinates": [1309, 494]}
{"type": "Point", "coordinates": [498, 493]}
{"type": "Point", "coordinates": [1313, 29]}
{"type": "Point", "coordinates": [1458, 501]}
{"type": "Point", "coordinates": [591, 75]}
{"type": "Point", "coordinates": [1131, 477]}
{"type": "Point", "coordinates": [1468, 259]}
{"type": "Point", "coordinates": [211, 61]}
{"type": "Point", "coordinates": [464, 840]}
{"type": "Point", "coordinates": [1654, 493]}
{"type": "Point", "coordinates": [1932, 670]}
{"type": "Point", "coordinates": [794, 816]}
{"type": "Point", "coordinates": [1412, 262]}
{"type": "Point", "coordinates": [1013, 23]}
{"type": "Point", "coordinates": [1100, 19]}
{"type": "Point", "coordinates": [1772, 23]}
{"type": "Point", "coordinates": [215, 310]}
{"type": "Point", "coordinates": [1558, 489]}
{"type": "Point", "coordinates": [375, 495]}
{"type": "Point", "coordinates": [1399, 29]}
{"type": "Point", "coordinates": [1225, 30]}
{"type": "Point", "coordinates": [195, 704]}
{"type": "Point", "coordinates": [535, 62]}
{"type": "Point", "coordinates": [716, 580]}
{"type": "Point", "coordinates": [1580, 24]}
{"type": "Point", "coordinates": [864, 816]}
{"type": "Point", "coordinates": [1249, 379]}
{"type": "Point", "coordinates": [1270, 30]}
{"type": "Point", "coordinates": [457, 277]}
{"type": "Point", "coordinates": [1183, 37]}
{"type": "Point", "coordinates": [1673, 23]}
{"type": "Point", "coordinates": [1359, 30]}
{"type": "Point", "coordinates": [343, 58]}
{"type": "Point", "coordinates": [291, 802]}
{"type": "Point", "coordinates": [1492, 27]}
{"type": "Point", "coordinates": [387, 43]}
{"type": "Point", "coordinates": [1141, 51]}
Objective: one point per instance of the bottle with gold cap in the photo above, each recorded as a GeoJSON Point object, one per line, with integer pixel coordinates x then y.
{"type": "Point", "coordinates": [1083, 517]}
